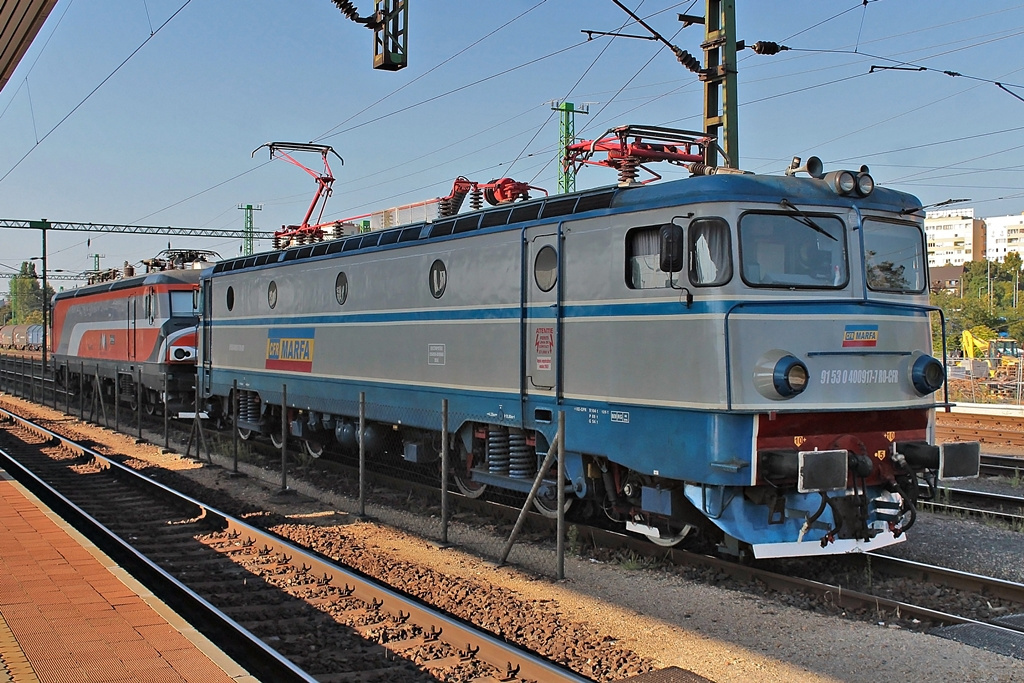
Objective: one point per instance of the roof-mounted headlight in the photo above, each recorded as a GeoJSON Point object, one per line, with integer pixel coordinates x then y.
{"type": "Point", "coordinates": [865, 184]}
{"type": "Point", "coordinates": [841, 182]}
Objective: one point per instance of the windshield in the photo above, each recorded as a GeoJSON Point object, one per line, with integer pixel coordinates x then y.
{"type": "Point", "coordinates": [182, 305]}
{"type": "Point", "coordinates": [793, 250]}
{"type": "Point", "coordinates": [894, 259]}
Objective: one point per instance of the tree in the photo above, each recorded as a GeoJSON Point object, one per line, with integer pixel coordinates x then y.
{"type": "Point", "coordinates": [27, 296]}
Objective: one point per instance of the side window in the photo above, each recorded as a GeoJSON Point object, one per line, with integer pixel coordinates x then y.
{"type": "Point", "coordinates": [643, 259]}
{"type": "Point", "coordinates": [710, 248]}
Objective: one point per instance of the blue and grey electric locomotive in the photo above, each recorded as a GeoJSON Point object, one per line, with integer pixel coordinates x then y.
{"type": "Point", "coordinates": [744, 352]}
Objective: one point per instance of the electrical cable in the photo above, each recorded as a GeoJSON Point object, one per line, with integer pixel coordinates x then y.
{"type": "Point", "coordinates": [93, 91]}
{"type": "Point", "coordinates": [455, 90]}
{"type": "Point", "coordinates": [429, 71]}
{"type": "Point", "coordinates": [38, 55]}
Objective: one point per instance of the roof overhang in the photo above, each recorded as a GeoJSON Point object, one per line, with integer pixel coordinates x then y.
{"type": "Point", "coordinates": [20, 21]}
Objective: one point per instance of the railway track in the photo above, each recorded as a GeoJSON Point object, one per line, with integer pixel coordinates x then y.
{"type": "Point", "coordinates": [994, 506]}
{"type": "Point", "coordinates": [324, 622]}
{"type": "Point", "coordinates": [993, 431]}
{"type": "Point", "coordinates": [916, 603]}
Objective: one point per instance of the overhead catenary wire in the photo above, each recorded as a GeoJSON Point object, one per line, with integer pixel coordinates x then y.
{"type": "Point", "coordinates": [93, 91]}
{"type": "Point", "coordinates": [330, 132]}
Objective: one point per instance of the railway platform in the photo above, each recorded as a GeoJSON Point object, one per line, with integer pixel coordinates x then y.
{"type": "Point", "coordinates": [68, 613]}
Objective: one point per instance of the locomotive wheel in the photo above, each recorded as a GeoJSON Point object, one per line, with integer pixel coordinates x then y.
{"type": "Point", "coordinates": [244, 434]}
{"type": "Point", "coordinates": [673, 540]}
{"type": "Point", "coordinates": [276, 439]}
{"type": "Point", "coordinates": [149, 404]}
{"type": "Point", "coordinates": [547, 506]}
{"type": "Point", "coordinates": [468, 487]}
{"type": "Point", "coordinates": [313, 448]}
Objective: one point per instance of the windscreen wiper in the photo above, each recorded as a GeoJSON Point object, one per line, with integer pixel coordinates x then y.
{"type": "Point", "coordinates": [805, 219]}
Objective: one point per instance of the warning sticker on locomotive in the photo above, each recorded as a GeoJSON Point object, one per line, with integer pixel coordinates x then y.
{"type": "Point", "coordinates": [544, 340]}
{"type": "Point", "coordinates": [860, 335]}
{"type": "Point", "coordinates": [543, 362]}
{"type": "Point", "coordinates": [290, 349]}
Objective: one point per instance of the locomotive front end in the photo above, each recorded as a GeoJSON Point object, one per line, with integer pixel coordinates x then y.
{"type": "Point", "coordinates": [832, 356]}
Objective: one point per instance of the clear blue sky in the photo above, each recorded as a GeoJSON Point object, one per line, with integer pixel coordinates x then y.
{"type": "Point", "coordinates": [159, 142]}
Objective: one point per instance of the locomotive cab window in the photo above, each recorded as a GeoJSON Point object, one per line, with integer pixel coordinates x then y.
{"type": "Point", "coordinates": [183, 305]}
{"type": "Point", "coordinates": [643, 259]}
{"type": "Point", "coordinates": [797, 250]}
{"type": "Point", "coordinates": [894, 257]}
{"type": "Point", "coordinates": [709, 248]}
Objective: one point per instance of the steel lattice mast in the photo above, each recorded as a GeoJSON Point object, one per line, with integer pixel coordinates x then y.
{"type": "Point", "coordinates": [567, 136]}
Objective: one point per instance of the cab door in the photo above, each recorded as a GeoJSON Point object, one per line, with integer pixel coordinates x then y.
{"type": "Point", "coordinates": [204, 298]}
{"type": "Point", "coordinates": [133, 327]}
{"type": "Point", "coordinates": [542, 312]}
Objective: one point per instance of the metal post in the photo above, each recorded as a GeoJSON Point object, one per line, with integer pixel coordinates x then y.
{"type": "Point", "coordinates": [138, 401]}
{"type": "Point", "coordinates": [362, 454]}
{"type": "Point", "coordinates": [549, 460]}
{"type": "Point", "coordinates": [444, 471]}
{"type": "Point", "coordinates": [167, 437]}
{"type": "Point", "coordinates": [98, 395]}
{"type": "Point", "coordinates": [67, 388]}
{"type": "Point", "coordinates": [81, 392]}
{"type": "Point", "coordinates": [117, 400]}
{"type": "Point", "coordinates": [560, 545]}
{"type": "Point", "coordinates": [46, 306]}
{"type": "Point", "coordinates": [234, 424]}
{"type": "Point", "coordinates": [720, 101]}
{"type": "Point", "coordinates": [284, 437]}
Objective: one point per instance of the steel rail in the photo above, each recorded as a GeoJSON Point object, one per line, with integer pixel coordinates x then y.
{"type": "Point", "coordinates": [836, 595]}
{"type": "Point", "coordinates": [516, 662]}
{"type": "Point", "coordinates": [995, 504]}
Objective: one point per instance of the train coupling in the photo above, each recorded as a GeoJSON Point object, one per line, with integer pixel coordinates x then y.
{"type": "Point", "coordinates": [812, 470]}
{"type": "Point", "coordinates": [957, 460]}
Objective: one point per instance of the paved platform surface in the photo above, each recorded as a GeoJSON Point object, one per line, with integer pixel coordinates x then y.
{"type": "Point", "coordinates": [69, 614]}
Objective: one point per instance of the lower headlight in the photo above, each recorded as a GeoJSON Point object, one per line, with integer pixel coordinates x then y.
{"type": "Point", "coordinates": [927, 374]}
{"type": "Point", "coordinates": [790, 376]}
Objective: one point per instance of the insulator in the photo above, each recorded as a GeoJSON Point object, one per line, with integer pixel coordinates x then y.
{"type": "Point", "coordinates": [627, 171]}
{"type": "Point", "coordinates": [277, 242]}
{"type": "Point", "coordinates": [699, 168]}
{"type": "Point", "coordinates": [497, 450]}
{"type": "Point", "coordinates": [349, 10]}
{"type": "Point", "coordinates": [444, 207]}
{"type": "Point", "coordinates": [687, 60]}
{"type": "Point", "coordinates": [522, 459]}
{"type": "Point", "coordinates": [476, 199]}
{"type": "Point", "coordinates": [767, 47]}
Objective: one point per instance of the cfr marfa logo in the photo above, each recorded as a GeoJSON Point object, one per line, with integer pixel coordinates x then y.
{"type": "Point", "coordinates": [290, 349]}
{"type": "Point", "coordinates": [860, 335]}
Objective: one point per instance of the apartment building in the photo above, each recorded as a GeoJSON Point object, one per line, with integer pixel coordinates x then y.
{"type": "Point", "coordinates": [954, 237]}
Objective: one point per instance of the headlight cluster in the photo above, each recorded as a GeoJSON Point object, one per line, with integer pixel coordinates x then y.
{"type": "Point", "coordinates": [848, 182]}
